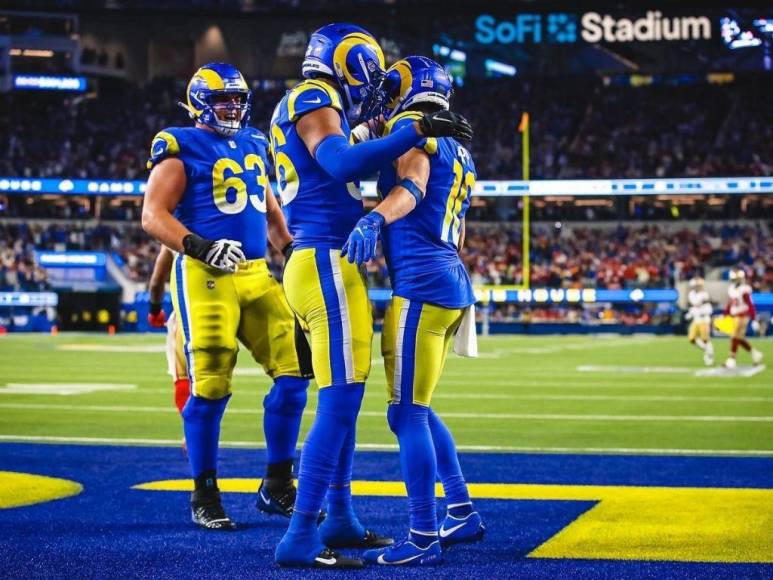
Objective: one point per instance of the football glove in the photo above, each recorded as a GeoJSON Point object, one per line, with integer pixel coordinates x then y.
{"type": "Point", "coordinates": [156, 316]}
{"type": "Point", "coordinates": [756, 327]}
{"type": "Point", "coordinates": [223, 254]}
{"type": "Point", "coordinates": [361, 245]}
{"type": "Point", "coordinates": [446, 124]}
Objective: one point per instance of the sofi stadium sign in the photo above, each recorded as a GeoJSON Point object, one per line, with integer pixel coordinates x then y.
{"type": "Point", "coordinates": [563, 28]}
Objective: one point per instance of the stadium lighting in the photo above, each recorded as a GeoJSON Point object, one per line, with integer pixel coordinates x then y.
{"type": "Point", "coordinates": [495, 66]}
{"type": "Point", "coordinates": [31, 52]}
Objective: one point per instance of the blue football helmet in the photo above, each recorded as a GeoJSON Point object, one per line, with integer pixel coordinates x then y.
{"type": "Point", "coordinates": [412, 80]}
{"type": "Point", "coordinates": [208, 95]}
{"type": "Point", "coordinates": [351, 56]}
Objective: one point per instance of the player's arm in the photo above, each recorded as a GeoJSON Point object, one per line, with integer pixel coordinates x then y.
{"type": "Point", "coordinates": [412, 174]}
{"type": "Point", "coordinates": [321, 132]}
{"type": "Point", "coordinates": [157, 286]}
{"type": "Point", "coordinates": [462, 234]}
{"type": "Point", "coordinates": [278, 234]}
{"type": "Point", "coordinates": [165, 189]}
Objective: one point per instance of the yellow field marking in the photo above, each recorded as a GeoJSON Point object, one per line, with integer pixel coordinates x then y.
{"type": "Point", "coordinates": [685, 524]}
{"type": "Point", "coordinates": [21, 489]}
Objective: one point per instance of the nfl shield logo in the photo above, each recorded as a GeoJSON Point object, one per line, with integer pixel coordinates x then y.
{"type": "Point", "coordinates": [210, 284]}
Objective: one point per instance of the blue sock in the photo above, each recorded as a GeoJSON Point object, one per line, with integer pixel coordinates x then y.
{"type": "Point", "coordinates": [283, 409]}
{"type": "Point", "coordinates": [417, 459]}
{"type": "Point", "coordinates": [422, 539]}
{"type": "Point", "coordinates": [342, 524]}
{"type": "Point", "coordinates": [448, 468]}
{"type": "Point", "coordinates": [339, 494]}
{"type": "Point", "coordinates": [336, 416]}
{"type": "Point", "coordinates": [201, 422]}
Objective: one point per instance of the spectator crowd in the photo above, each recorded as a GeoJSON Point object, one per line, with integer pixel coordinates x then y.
{"type": "Point", "coordinates": [611, 258]}
{"type": "Point", "coordinates": [579, 129]}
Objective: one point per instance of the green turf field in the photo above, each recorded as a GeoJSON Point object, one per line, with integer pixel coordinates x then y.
{"type": "Point", "coordinates": [575, 394]}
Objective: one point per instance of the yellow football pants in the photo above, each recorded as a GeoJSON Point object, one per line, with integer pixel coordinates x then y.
{"type": "Point", "coordinates": [415, 342]}
{"type": "Point", "coordinates": [331, 298]}
{"type": "Point", "coordinates": [216, 308]}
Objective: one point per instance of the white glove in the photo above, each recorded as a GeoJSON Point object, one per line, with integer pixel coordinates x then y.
{"type": "Point", "coordinates": [755, 326]}
{"type": "Point", "coordinates": [225, 255]}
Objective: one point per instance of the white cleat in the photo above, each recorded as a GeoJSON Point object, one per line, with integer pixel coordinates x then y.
{"type": "Point", "coordinates": [730, 363]}
{"type": "Point", "coordinates": [708, 359]}
{"type": "Point", "coordinates": [757, 357]}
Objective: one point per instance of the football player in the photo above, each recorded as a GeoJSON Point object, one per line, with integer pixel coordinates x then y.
{"type": "Point", "coordinates": [317, 168]}
{"type": "Point", "coordinates": [699, 315]}
{"type": "Point", "coordinates": [741, 308]}
{"type": "Point", "coordinates": [175, 357]}
{"type": "Point", "coordinates": [429, 187]}
{"type": "Point", "coordinates": [208, 199]}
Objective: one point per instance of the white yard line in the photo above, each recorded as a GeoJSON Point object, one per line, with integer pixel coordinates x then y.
{"type": "Point", "coordinates": [392, 446]}
{"type": "Point", "coordinates": [514, 397]}
{"type": "Point", "coordinates": [512, 416]}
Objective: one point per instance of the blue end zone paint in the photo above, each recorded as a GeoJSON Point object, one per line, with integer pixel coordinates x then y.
{"type": "Point", "coordinates": [110, 530]}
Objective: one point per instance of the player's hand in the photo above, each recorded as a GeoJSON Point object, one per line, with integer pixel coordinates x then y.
{"type": "Point", "coordinates": [361, 245]}
{"type": "Point", "coordinates": [446, 124]}
{"type": "Point", "coordinates": [756, 326]}
{"type": "Point", "coordinates": [688, 316]}
{"type": "Point", "coordinates": [222, 254]}
{"type": "Point", "coordinates": [370, 129]}
{"type": "Point", "coordinates": [156, 316]}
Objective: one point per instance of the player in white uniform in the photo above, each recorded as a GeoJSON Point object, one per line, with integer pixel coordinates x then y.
{"type": "Point", "coordinates": [699, 315]}
{"type": "Point", "coordinates": [741, 308]}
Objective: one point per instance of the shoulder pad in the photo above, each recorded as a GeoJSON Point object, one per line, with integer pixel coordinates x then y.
{"type": "Point", "coordinates": [164, 145]}
{"type": "Point", "coordinates": [311, 95]}
{"type": "Point", "coordinates": [428, 145]}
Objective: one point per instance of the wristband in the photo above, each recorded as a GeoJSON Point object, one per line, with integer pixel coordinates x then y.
{"type": "Point", "coordinates": [413, 189]}
{"type": "Point", "coordinates": [195, 246]}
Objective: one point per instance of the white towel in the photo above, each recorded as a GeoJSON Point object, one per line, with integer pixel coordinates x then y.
{"type": "Point", "coordinates": [466, 340]}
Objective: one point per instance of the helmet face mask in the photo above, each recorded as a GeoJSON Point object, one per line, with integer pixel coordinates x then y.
{"type": "Point", "coordinates": [218, 97]}
{"type": "Point", "coordinates": [351, 57]}
{"type": "Point", "coordinates": [414, 80]}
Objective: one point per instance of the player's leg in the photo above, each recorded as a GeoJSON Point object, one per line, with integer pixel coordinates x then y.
{"type": "Point", "coordinates": [704, 335]}
{"type": "Point", "coordinates": [267, 329]}
{"type": "Point", "coordinates": [330, 296]}
{"type": "Point", "coordinates": [175, 359]}
{"type": "Point", "coordinates": [413, 344]}
{"type": "Point", "coordinates": [694, 336]}
{"type": "Point", "coordinates": [209, 315]}
{"type": "Point", "coordinates": [462, 523]}
{"type": "Point", "coordinates": [738, 338]}
{"type": "Point", "coordinates": [342, 529]}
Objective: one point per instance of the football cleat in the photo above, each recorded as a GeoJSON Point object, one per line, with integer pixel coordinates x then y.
{"type": "Point", "coordinates": [757, 357]}
{"type": "Point", "coordinates": [730, 363]}
{"type": "Point", "coordinates": [327, 558]}
{"type": "Point", "coordinates": [708, 358]}
{"type": "Point", "coordinates": [346, 539]}
{"type": "Point", "coordinates": [280, 501]}
{"type": "Point", "coordinates": [207, 512]}
{"type": "Point", "coordinates": [406, 553]}
{"type": "Point", "coordinates": [461, 530]}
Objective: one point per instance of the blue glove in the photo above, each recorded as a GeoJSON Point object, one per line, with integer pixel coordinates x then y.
{"type": "Point", "coordinates": [361, 245]}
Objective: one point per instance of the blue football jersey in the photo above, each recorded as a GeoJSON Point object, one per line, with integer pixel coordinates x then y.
{"type": "Point", "coordinates": [321, 211]}
{"type": "Point", "coordinates": [227, 183]}
{"type": "Point", "coordinates": [421, 249]}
